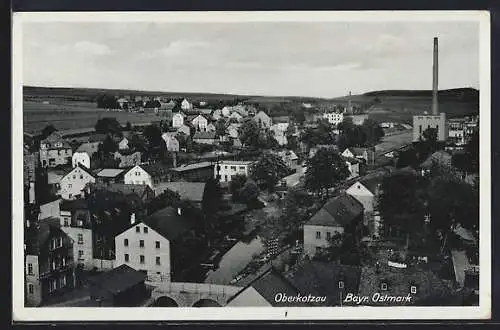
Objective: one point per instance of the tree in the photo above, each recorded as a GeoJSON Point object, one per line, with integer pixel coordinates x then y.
{"type": "Point", "coordinates": [49, 129]}
{"type": "Point", "coordinates": [166, 198]}
{"type": "Point", "coordinates": [153, 136]}
{"type": "Point", "coordinates": [322, 134]}
{"type": "Point", "coordinates": [108, 125]}
{"type": "Point", "coordinates": [220, 127]}
{"type": "Point", "coordinates": [269, 169]}
{"type": "Point", "coordinates": [211, 202]}
{"type": "Point", "coordinates": [128, 126]}
{"type": "Point", "coordinates": [249, 133]}
{"type": "Point", "coordinates": [108, 146]}
{"type": "Point", "coordinates": [135, 143]}
{"type": "Point", "coordinates": [237, 182]}
{"type": "Point", "coordinates": [249, 192]}
{"type": "Point", "coordinates": [401, 203]}
{"type": "Point", "coordinates": [373, 132]}
{"type": "Point", "coordinates": [325, 170]}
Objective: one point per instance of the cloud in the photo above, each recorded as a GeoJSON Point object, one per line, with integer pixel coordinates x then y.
{"type": "Point", "coordinates": [175, 48]}
{"type": "Point", "coordinates": [92, 48]}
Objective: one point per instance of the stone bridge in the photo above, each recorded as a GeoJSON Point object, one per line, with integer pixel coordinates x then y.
{"type": "Point", "coordinates": [179, 294]}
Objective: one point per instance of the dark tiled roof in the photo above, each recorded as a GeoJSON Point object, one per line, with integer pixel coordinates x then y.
{"type": "Point", "coordinates": [70, 205]}
{"type": "Point", "coordinates": [339, 211]}
{"type": "Point", "coordinates": [168, 223]}
{"type": "Point", "coordinates": [119, 279]}
{"type": "Point", "coordinates": [38, 235]}
{"type": "Point", "coordinates": [269, 284]}
{"type": "Point", "coordinates": [399, 281]}
{"type": "Point", "coordinates": [187, 190]}
{"type": "Point", "coordinates": [204, 135]}
{"type": "Point", "coordinates": [322, 279]}
{"type": "Point", "coordinates": [138, 189]}
{"type": "Point", "coordinates": [86, 169]}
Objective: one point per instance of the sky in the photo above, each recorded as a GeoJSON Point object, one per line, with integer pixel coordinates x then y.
{"type": "Point", "coordinates": [318, 59]}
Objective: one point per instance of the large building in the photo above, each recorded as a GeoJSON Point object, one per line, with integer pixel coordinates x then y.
{"type": "Point", "coordinates": [72, 184]}
{"type": "Point", "coordinates": [55, 151]}
{"type": "Point", "coordinates": [229, 168]}
{"type": "Point", "coordinates": [334, 118]}
{"type": "Point", "coordinates": [49, 265]}
{"type": "Point", "coordinates": [436, 120]}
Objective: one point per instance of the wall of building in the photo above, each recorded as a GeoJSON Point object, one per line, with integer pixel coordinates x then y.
{"type": "Point", "coordinates": [73, 183]}
{"type": "Point", "coordinates": [149, 251]}
{"type": "Point", "coordinates": [228, 169]}
{"type": "Point", "coordinates": [421, 123]}
{"type": "Point", "coordinates": [33, 280]}
{"type": "Point", "coordinates": [138, 176]}
{"type": "Point", "coordinates": [50, 210]}
{"type": "Point", "coordinates": [103, 264]}
{"type": "Point", "coordinates": [362, 195]}
{"type": "Point", "coordinates": [177, 120]}
{"type": "Point", "coordinates": [333, 117]}
{"type": "Point", "coordinates": [54, 157]}
{"type": "Point", "coordinates": [81, 158]}
{"type": "Point", "coordinates": [310, 240]}
{"type": "Point", "coordinates": [82, 249]}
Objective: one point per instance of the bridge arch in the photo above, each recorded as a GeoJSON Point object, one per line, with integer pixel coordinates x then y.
{"type": "Point", "coordinates": [206, 302]}
{"type": "Point", "coordinates": [165, 301]}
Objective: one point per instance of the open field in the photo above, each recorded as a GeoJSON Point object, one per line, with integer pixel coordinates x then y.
{"type": "Point", "coordinates": [70, 115]}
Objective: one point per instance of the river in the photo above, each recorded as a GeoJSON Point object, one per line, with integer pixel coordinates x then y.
{"type": "Point", "coordinates": [235, 261]}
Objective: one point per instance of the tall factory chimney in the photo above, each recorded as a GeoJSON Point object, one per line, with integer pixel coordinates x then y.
{"type": "Point", "coordinates": [435, 74]}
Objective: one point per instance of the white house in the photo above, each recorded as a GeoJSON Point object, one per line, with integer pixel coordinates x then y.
{"type": "Point", "coordinates": [217, 114]}
{"type": "Point", "coordinates": [186, 105]}
{"type": "Point", "coordinates": [123, 144]}
{"type": "Point", "coordinates": [263, 120]}
{"type": "Point", "coordinates": [200, 123]}
{"type": "Point", "coordinates": [177, 120]}
{"type": "Point", "coordinates": [171, 142]}
{"type": "Point", "coordinates": [279, 130]}
{"type": "Point", "coordinates": [81, 158]}
{"type": "Point", "coordinates": [72, 184]}
{"type": "Point", "coordinates": [365, 193]}
{"type": "Point", "coordinates": [236, 115]}
{"type": "Point", "coordinates": [226, 111]}
{"type": "Point", "coordinates": [75, 221]}
{"type": "Point", "coordinates": [353, 166]}
{"type": "Point", "coordinates": [137, 175]}
{"type": "Point", "coordinates": [358, 153]}
{"type": "Point", "coordinates": [146, 245]}
{"type": "Point", "coordinates": [228, 168]}
{"type": "Point", "coordinates": [144, 248]}
{"type": "Point", "coordinates": [334, 118]}
{"type": "Point", "coordinates": [338, 215]}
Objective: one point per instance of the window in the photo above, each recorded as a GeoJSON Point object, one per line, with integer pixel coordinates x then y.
{"type": "Point", "coordinates": [80, 238]}
{"type": "Point", "coordinates": [141, 258]}
{"type": "Point", "coordinates": [341, 284]}
{"type": "Point", "coordinates": [81, 176]}
{"type": "Point", "coordinates": [31, 288]}
{"type": "Point", "coordinates": [413, 289]}
{"type": "Point", "coordinates": [157, 243]}
{"type": "Point", "coordinates": [74, 177]}
{"type": "Point", "coordinates": [70, 185]}
{"type": "Point", "coordinates": [66, 222]}
{"type": "Point", "coordinates": [225, 167]}
{"type": "Point", "coordinates": [80, 254]}
{"type": "Point", "coordinates": [328, 235]}
{"type": "Point", "coordinates": [233, 168]}
{"type": "Point", "coordinates": [158, 261]}
{"type": "Point", "coordinates": [383, 286]}
{"type": "Point", "coordinates": [141, 243]}
{"type": "Point", "coordinates": [125, 242]}
{"type": "Point", "coordinates": [137, 229]}
{"type": "Point", "coordinates": [126, 257]}
{"type": "Point", "coordinates": [59, 241]}
{"type": "Point", "coordinates": [420, 129]}
{"type": "Point", "coordinates": [30, 269]}
{"type": "Point", "coordinates": [70, 195]}
{"type": "Point", "coordinates": [145, 229]}
{"type": "Point", "coordinates": [242, 167]}
{"type": "Point", "coordinates": [437, 128]}
{"type": "Point", "coordinates": [63, 280]}
{"type": "Point", "coordinates": [318, 235]}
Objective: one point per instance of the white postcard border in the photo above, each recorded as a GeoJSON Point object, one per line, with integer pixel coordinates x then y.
{"type": "Point", "coordinates": [483, 311]}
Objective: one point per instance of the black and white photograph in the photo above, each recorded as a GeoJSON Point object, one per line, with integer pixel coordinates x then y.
{"type": "Point", "coordinates": [285, 165]}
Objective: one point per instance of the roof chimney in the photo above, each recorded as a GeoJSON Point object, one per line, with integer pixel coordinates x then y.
{"type": "Point", "coordinates": [435, 73]}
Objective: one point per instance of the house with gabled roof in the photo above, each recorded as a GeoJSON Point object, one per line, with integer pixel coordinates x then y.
{"type": "Point", "coordinates": [54, 151]}
{"type": "Point", "coordinates": [177, 119]}
{"type": "Point", "coordinates": [152, 245]}
{"type": "Point", "coordinates": [364, 154]}
{"type": "Point", "coordinates": [72, 184]}
{"type": "Point", "coordinates": [204, 137]}
{"type": "Point", "coordinates": [339, 215]}
{"type": "Point", "coordinates": [262, 119]}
